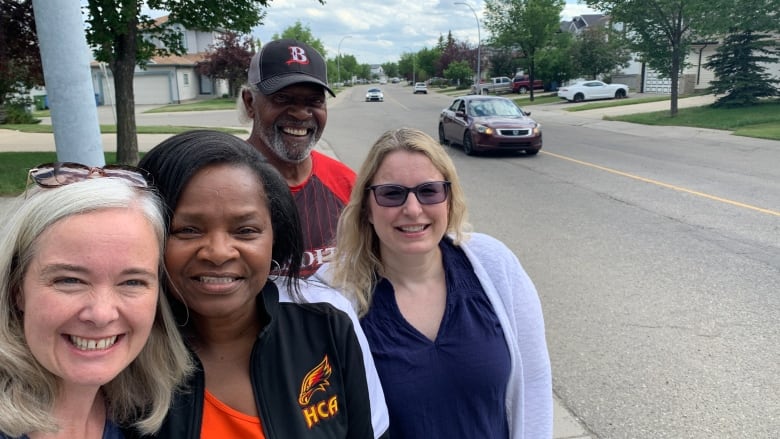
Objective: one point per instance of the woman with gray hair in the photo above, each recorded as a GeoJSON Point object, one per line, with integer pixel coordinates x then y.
{"type": "Point", "coordinates": [87, 341]}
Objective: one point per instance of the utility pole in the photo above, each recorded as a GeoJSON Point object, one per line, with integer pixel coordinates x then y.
{"type": "Point", "coordinates": [479, 42]}
{"type": "Point", "coordinates": [65, 58]}
{"type": "Point", "coordinates": [338, 57]}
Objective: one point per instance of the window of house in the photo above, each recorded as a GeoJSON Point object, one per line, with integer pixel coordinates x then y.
{"type": "Point", "coordinates": [186, 79]}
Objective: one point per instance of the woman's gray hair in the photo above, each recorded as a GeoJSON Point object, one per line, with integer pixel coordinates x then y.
{"type": "Point", "coordinates": [243, 114]}
{"type": "Point", "coordinates": [141, 394]}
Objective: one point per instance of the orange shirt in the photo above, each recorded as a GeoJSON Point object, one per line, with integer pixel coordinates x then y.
{"type": "Point", "coordinates": [221, 421]}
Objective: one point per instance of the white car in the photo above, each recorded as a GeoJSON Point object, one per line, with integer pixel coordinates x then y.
{"type": "Point", "coordinates": [589, 90]}
{"type": "Point", "coordinates": [420, 87]}
{"type": "Point", "coordinates": [375, 94]}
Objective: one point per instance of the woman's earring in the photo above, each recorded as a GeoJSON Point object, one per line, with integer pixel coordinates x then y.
{"type": "Point", "coordinates": [275, 270]}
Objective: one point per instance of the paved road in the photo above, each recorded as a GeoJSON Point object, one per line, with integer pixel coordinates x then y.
{"type": "Point", "coordinates": [566, 424]}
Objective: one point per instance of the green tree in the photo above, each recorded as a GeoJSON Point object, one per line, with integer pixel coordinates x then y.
{"type": "Point", "coordinates": [20, 58]}
{"type": "Point", "coordinates": [302, 33]}
{"type": "Point", "coordinates": [738, 70]}
{"type": "Point", "coordinates": [459, 72]}
{"type": "Point", "coordinates": [406, 65]}
{"type": "Point", "coordinates": [503, 63]}
{"type": "Point", "coordinates": [525, 24]}
{"type": "Point", "coordinates": [427, 61]}
{"type": "Point", "coordinates": [555, 64]}
{"type": "Point", "coordinates": [363, 71]}
{"type": "Point", "coordinates": [229, 60]}
{"type": "Point", "coordinates": [599, 50]}
{"type": "Point", "coordinates": [739, 62]}
{"type": "Point", "coordinates": [390, 69]}
{"type": "Point", "coordinates": [663, 30]}
{"type": "Point", "coordinates": [124, 37]}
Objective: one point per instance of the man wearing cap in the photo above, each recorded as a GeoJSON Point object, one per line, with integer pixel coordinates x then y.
{"type": "Point", "coordinates": [285, 100]}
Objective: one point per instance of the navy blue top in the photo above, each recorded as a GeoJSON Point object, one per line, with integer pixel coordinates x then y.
{"type": "Point", "coordinates": [455, 386]}
{"type": "Point", "coordinates": [110, 431]}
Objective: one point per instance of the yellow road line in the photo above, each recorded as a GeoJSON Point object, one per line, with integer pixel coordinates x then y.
{"type": "Point", "coordinates": [666, 185]}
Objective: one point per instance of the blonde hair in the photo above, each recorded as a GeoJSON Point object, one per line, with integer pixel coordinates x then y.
{"type": "Point", "coordinates": [141, 394]}
{"type": "Point", "coordinates": [357, 263]}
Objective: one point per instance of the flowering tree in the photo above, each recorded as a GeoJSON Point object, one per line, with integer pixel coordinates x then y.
{"type": "Point", "coordinates": [229, 60]}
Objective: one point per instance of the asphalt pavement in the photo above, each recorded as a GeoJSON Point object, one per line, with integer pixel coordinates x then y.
{"type": "Point", "coordinates": [566, 424]}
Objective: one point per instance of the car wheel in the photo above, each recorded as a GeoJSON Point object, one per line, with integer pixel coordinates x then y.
{"type": "Point", "coordinates": [531, 151]}
{"type": "Point", "coordinates": [579, 97]}
{"type": "Point", "coordinates": [442, 139]}
{"type": "Point", "coordinates": [523, 90]}
{"type": "Point", "coordinates": [468, 144]}
{"type": "Point", "coordinates": [620, 94]}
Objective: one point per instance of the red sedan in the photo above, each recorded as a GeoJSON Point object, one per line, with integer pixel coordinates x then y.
{"type": "Point", "coordinates": [489, 123]}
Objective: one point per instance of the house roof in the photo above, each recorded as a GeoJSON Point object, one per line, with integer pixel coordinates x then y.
{"type": "Point", "coordinates": [186, 60]}
{"type": "Point", "coordinates": [581, 22]}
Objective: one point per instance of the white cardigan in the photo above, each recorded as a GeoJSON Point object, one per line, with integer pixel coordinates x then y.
{"type": "Point", "coordinates": [515, 301]}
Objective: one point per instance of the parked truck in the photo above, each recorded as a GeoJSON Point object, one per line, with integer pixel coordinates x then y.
{"type": "Point", "coordinates": [521, 84]}
{"type": "Point", "coordinates": [497, 85]}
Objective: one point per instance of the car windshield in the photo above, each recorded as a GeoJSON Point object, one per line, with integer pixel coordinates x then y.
{"type": "Point", "coordinates": [494, 108]}
{"type": "Point", "coordinates": [373, 90]}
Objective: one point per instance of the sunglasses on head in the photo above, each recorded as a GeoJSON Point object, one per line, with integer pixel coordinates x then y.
{"type": "Point", "coordinates": [394, 195]}
{"type": "Point", "coordinates": [51, 175]}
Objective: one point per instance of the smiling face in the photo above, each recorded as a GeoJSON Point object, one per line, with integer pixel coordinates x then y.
{"type": "Point", "coordinates": [89, 295]}
{"type": "Point", "coordinates": [219, 250]}
{"type": "Point", "coordinates": [290, 121]}
{"type": "Point", "coordinates": [412, 228]}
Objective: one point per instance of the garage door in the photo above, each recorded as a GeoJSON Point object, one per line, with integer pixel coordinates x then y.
{"type": "Point", "coordinates": [152, 89]}
{"type": "Point", "coordinates": [654, 83]}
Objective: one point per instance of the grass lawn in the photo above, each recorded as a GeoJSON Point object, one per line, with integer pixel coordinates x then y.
{"type": "Point", "coordinates": [762, 120]}
{"type": "Point", "coordinates": [210, 104]}
{"type": "Point", "coordinates": [14, 167]}
{"type": "Point", "coordinates": [111, 129]}
{"type": "Point", "coordinates": [618, 103]}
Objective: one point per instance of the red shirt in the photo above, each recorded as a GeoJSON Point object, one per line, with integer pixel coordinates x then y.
{"type": "Point", "coordinates": [320, 200]}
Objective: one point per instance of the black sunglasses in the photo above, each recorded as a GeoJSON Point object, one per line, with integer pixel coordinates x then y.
{"type": "Point", "coordinates": [394, 195]}
{"type": "Point", "coordinates": [51, 175]}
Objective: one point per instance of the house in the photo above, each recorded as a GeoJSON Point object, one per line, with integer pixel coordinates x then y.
{"type": "Point", "coordinates": [166, 79]}
{"type": "Point", "coordinates": [377, 72]}
{"type": "Point", "coordinates": [581, 22]}
{"type": "Point", "coordinates": [638, 76]}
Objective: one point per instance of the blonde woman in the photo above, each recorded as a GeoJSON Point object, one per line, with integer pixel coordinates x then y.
{"type": "Point", "coordinates": [453, 321]}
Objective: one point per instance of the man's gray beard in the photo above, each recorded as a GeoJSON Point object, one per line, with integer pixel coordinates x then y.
{"type": "Point", "coordinates": [280, 149]}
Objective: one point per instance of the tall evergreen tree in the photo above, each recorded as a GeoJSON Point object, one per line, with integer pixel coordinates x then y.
{"type": "Point", "coordinates": [738, 70]}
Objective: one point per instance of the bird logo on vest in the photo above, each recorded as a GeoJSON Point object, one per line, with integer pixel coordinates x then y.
{"type": "Point", "coordinates": [316, 379]}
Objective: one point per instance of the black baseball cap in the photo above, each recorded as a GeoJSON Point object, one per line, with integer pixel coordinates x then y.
{"type": "Point", "coordinates": [282, 63]}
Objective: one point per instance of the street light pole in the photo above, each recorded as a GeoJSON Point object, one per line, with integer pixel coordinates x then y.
{"type": "Point", "coordinates": [414, 57]}
{"type": "Point", "coordinates": [338, 57]}
{"type": "Point", "coordinates": [479, 41]}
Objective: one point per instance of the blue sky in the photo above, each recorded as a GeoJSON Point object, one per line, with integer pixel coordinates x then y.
{"type": "Point", "coordinates": [377, 31]}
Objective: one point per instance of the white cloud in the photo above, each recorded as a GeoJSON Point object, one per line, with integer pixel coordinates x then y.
{"type": "Point", "coordinates": [380, 30]}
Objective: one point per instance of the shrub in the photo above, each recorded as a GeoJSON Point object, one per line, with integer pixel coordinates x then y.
{"type": "Point", "coordinates": [17, 111]}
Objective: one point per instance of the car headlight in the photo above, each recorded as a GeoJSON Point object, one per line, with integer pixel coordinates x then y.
{"type": "Point", "coordinates": [483, 129]}
{"type": "Point", "coordinates": [538, 129]}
